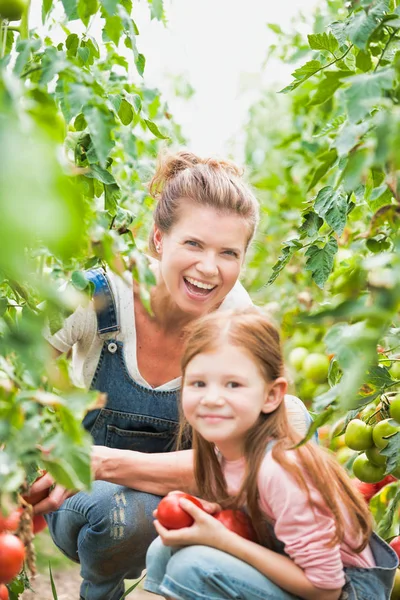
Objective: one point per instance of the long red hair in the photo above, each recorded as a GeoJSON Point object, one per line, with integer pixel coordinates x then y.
{"type": "Point", "coordinates": [252, 331]}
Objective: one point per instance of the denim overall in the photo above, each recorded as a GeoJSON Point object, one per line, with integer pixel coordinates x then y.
{"type": "Point", "coordinates": [205, 573]}
{"type": "Point", "coordinates": [110, 529]}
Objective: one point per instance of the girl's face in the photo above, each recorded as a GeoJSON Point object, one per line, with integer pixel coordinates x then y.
{"type": "Point", "coordinates": [201, 257]}
{"type": "Point", "coordinates": [223, 395]}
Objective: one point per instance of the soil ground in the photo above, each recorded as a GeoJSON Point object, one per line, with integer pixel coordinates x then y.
{"type": "Point", "coordinates": [66, 576]}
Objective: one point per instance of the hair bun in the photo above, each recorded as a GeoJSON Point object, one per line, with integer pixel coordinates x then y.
{"type": "Point", "coordinates": [170, 165]}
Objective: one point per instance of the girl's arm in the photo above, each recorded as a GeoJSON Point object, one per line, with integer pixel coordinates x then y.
{"type": "Point", "coordinates": [278, 568]}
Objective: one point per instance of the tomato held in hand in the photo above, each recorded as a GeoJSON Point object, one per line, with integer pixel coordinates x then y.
{"type": "Point", "coordinates": [395, 544]}
{"type": "Point", "coordinates": [238, 522]}
{"type": "Point", "coordinates": [38, 523]}
{"type": "Point", "coordinates": [12, 554]}
{"type": "Point", "coordinates": [171, 515]}
{"type": "Point", "coordinates": [3, 592]}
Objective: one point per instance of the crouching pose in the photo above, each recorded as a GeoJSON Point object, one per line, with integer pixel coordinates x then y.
{"type": "Point", "coordinates": [315, 538]}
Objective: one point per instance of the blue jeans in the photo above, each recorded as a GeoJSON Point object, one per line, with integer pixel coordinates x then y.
{"type": "Point", "coordinates": [108, 531]}
{"type": "Point", "coordinates": [204, 573]}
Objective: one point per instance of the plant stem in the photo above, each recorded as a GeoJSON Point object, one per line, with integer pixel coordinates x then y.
{"type": "Point", "coordinates": [384, 50]}
{"type": "Point", "coordinates": [24, 25]}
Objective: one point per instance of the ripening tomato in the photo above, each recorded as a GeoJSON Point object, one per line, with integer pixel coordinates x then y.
{"type": "Point", "coordinates": [385, 481]}
{"type": "Point", "coordinates": [38, 523]}
{"type": "Point", "coordinates": [170, 513]}
{"type": "Point", "coordinates": [358, 435]}
{"type": "Point", "coordinates": [238, 522]}
{"type": "Point", "coordinates": [382, 431]}
{"type": "Point", "coordinates": [11, 522]}
{"type": "Point", "coordinates": [366, 489]}
{"type": "Point", "coordinates": [366, 471]}
{"type": "Point", "coordinates": [395, 544]}
{"type": "Point", "coordinates": [3, 592]}
{"type": "Point", "coordinates": [12, 555]}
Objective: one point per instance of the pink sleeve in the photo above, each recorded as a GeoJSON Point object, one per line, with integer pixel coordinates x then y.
{"type": "Point", "coordinates": [303, 530]}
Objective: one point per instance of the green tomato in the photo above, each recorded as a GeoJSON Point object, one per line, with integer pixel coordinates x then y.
{"type": "Point", "coordinates": [12, 9]}
{"type": "Point", "coordinates": [368, 411]}
{"type": "Point", "coordinates": [395, 408]}
{"type": "Point", "coordinates": [316, 367]}
{"type": "Point", "coordinates": [366, 471]}
{"type": "Point", "coordinates": [297, 356]}
{"type": "Point", "coordinates": [358, 435]}
{"type": "Point", "coordinates": [382, 430]}
{"type": "Point", "coordinates": [375, 457]}
{"type": "Point", "coordinates": [395, 369]}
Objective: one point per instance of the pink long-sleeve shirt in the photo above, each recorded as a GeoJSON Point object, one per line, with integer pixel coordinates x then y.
{"type": "Point", "coordinates": [303, 530]}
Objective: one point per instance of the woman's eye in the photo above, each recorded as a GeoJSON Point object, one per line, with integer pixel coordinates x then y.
{"type": "Point", "coordinates": [191, 243]}
{"type": "Point", "coordinates": [198, 384]}
{"type": "Point", "coordinates": [233, 384]}
{"type": "Point", "coordinates": [231, 253]}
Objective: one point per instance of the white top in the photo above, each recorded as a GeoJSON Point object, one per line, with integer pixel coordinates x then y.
{"type": "Point", "coordinates": [79, 332]}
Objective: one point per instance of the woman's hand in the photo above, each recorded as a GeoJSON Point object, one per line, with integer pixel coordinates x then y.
{"type": "Point", "coordinates": [205, 531]}
{"type": "Point", "coordinates": [56, 494]}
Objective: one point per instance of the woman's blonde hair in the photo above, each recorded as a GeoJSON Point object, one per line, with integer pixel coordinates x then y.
{"type": "Point", "coordinates": [251, 331]}
{"type": "Point", "coordinates": [184, 177]}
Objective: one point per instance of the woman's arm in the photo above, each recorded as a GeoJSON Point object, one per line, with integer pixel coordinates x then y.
{"type": "Point", "coordinates": [278, 568]}
{"type": "Point", "coordinates": [147, 472]}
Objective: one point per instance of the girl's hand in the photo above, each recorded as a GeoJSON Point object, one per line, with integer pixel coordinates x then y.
{"type": "Point", "coordinates": [210, 507]}
{"type": "Point", "coordinates": [205, 531]}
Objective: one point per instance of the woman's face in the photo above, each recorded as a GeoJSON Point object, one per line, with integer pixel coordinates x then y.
{"type": "Point", "coordinates": [201, 257]}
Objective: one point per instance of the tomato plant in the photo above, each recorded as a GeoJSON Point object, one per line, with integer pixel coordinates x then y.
{"type": "Point", "coordinates": [12, 9]}
{"type": "Point", "coordinates": [171, 515]}
{"type": "Point", "coordinates": [238, 522]}
{"type": "Point", "coordinates": [12, 554]}
{"type": "Point", "coordinates": [358, 435]}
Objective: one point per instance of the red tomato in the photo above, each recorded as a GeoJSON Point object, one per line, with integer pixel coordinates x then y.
{"type": "Point", "coordinates": [11, 522]}
{"type": "Point", "coordinates": [39, 523]}
{"type": "Point", "coordinates": [385, 481]}
{"type": "Point", "coordinates": [3, 592]}
{"type": "Point", "coordinates": [366, 489]}
{"type": "Point", "coordinates": [238, 522]}
{"type": "Point", "coordinates": [395, 544]}
{"type": "Point", "coordinates": [12, 554]}
{"type": "Point", "coordinates": [171, 515]}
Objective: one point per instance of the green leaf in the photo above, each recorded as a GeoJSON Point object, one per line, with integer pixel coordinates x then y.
{"type": "Point", "coordinates": [331, 205]}
{"type": "Point", "coordinates": [361, 25]}
{"type": "Point", "coordinates": [79, 280]}
{"type": "Point", "coordinates": [112, 194]}
{"type": "Point", "coordinates": [71, 9]}
{"type": "Point", "coordinates": [385, 525]}
{"type": "Point", "coordinates": [320, 261]}
{"type": "Point", "coordinates": [355, 170]}
{"type": "Point", "coordinates": [311, 224]}
{"type": "Point", "coordinates": [320, 420]}
{"type": "Point", "coordinates": [87, 8]}
{"type": "Point", "coordinates": [140, 63]}
{"type": "Point", "coordinates": [100, 124]}
{"type": "Point", "coordinates": [379, 376]}
{"type": "Point", "coordinates": [323, 41]}
{"type": "Point", "coordinates": [154, 130]}
{"type": "Point", "coordinates": [63, 473]}
{"type": "Point", "coordinates": [125, 112]}
{"type": "Point", "coordinates": [331, 81]}
{"type": "Point", "coordinates": [275, 28]}
{"type": "Point", "coordinates": [363, 61]}
{"type": "Point", "coordinates": [156, 9]}
{"type": "Point", "coordinates": [47, 5]}
{"type": "Point", "coordinates": [113, 28]}
{"type": "Point", "coordinates": [392, 451]}
{"type": "Point", "coordinates": [110, 6]}
{"type": "Point", "coordinates": [302, 74]}
{"type": "Point", "coordinates": [101, 174]}
{"type": "Point", "coordinates": [366, 90]}
{"type": "Point", "coordinates": [349, 135]}
{"type": "Point", "coordinates": [53, 585]}
{"type": "Point", "coordinates": [327, 159]}
{"type": "Point", "coordinates": [287, 252]}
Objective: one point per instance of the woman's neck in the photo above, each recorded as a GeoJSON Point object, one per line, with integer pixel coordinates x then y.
{"type": "Point", "coordinates": [166, 312]}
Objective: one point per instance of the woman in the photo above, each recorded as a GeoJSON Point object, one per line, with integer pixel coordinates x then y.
{"type": "Point", "coordinates": [204, 221]}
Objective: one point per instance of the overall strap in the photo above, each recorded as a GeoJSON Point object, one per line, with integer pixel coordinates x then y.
{"type": "Point", "coordinates": [104, 302]}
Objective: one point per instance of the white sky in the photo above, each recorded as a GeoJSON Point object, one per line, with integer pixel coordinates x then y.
{"type": "Point", "coordinates": [220, 46]}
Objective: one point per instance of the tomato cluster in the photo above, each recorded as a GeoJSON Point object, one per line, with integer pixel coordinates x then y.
{"type": "Point", "coordinates": [172, 516]}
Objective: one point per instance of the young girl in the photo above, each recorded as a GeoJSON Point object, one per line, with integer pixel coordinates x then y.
{"type": "Point", "coordinates": [315, 529]}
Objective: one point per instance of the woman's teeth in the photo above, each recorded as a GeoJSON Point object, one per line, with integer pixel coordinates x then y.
{"type": "Point", "coordinates": [199, 284]}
